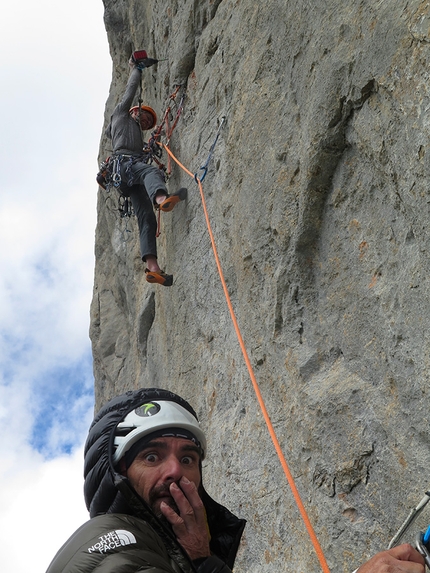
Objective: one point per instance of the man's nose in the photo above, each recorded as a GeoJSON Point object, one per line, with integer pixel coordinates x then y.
{"type": "Point", "coordinates": [172, 469]}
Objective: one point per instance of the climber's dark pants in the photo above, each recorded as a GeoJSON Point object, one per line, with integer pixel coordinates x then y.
{"type": "Point", "coordinates": [147, 180]}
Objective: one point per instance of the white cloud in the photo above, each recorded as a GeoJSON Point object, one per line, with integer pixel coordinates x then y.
{"type": "Point", "coordinates": [41, 507]}
{"type": "Point", "coordinates": [56, 70]}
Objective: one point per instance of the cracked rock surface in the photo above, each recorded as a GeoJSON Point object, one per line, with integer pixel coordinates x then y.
{"type": "Point", "coordinates": [318, 194]}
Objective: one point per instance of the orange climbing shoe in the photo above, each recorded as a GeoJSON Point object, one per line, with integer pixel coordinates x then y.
{"type": "Point", "coordinates": [159, 277]}
{"type": "Point", "coordinates": [168, 204]}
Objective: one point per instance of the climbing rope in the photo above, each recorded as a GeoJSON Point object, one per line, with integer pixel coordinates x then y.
{"type": "Point", "coordinates": [290, 479]}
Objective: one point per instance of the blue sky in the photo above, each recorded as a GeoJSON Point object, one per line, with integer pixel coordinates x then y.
{"type": "Point", "coordinates": [56, 71]}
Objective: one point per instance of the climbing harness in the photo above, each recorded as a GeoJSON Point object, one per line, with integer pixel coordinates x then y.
{"type": "Point", "coordinates": [110, 170]}
{"type": "Point", "coordinates": [290, 479]}
{"type": "Point", "coordinates": [204, 167]}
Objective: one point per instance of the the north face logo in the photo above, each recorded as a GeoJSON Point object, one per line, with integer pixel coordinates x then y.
{"type": "Point", "coordinates": [112, 540]}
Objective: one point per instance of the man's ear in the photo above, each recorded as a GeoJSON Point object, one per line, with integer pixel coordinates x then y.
{"type": "Point", "coordinates": [122, 468]}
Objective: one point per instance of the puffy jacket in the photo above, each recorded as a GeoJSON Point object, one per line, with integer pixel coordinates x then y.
{"type": "Point", "coordinates": [120, 515]}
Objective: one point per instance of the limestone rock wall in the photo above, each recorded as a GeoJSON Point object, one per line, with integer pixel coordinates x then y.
{"type": "Point", "coordinates": [319, 202]}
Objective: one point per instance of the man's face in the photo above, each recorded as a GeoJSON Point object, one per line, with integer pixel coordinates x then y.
{"type": "Point", "coordinates": [161, 462]}
{"type": "Point", "coordinates": [146, 119]}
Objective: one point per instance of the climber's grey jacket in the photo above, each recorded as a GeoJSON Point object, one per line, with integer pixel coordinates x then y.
{"type": "Point", "coordinates": [124, 536]}
{"type": "Point", "coordinates": [124, 131]}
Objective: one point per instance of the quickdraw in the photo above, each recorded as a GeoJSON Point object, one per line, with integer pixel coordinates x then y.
{"type": "Point", "coordinates": [125, 207]}
{"type": "Point", "coordinates": [205, 167]}
{"type": "Point", "coordinates": [115, 171]}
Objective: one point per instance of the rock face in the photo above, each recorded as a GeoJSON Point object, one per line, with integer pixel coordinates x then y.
{"type": "Point", "coordinates": [318, 198]}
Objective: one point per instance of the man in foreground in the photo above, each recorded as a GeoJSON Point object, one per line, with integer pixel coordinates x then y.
{"type": "Point", "coordinates": [143, 489]}
{"type": "Point", "coordinates": [148, 507]}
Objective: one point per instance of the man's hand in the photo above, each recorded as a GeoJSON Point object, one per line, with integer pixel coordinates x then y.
{"type": "Point", "coordinates": [190, 526]}
{"type": "Point", "coordinates": [401, 559]}
{"type": "Point", "coordinates": [132, 63]}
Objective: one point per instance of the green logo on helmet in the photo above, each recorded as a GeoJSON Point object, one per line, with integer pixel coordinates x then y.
{"type": "Point", "coordinates": [147, 410]}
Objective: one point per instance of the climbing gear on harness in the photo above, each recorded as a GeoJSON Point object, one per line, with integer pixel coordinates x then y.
{"type": "Point", "coordinates": [211, 150]}
{"type": "Point", "coordinates": [151, 417]}
{"type": "Point", "coordinates": [103, 174]}
{"type": "Point", "coordinates": [172, 200]}
{"type": "Point", "coordinates": [159, 277]}
{"type": "Point", "coordinates": [147, 109]}
{"type": "Point", "coordinates": [413, 514]}
{"type": "Point", "coordinates": [110, 172]}
{"type": "Point", "coordinates": [115, 170]}
{"type": "Point", "coordinates": [125, 207]}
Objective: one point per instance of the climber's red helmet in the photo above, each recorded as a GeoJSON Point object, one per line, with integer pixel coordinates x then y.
{"type": "Point", "coordinates": [148, 117]}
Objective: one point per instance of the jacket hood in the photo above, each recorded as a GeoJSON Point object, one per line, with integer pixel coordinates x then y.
{"type": "Point", "coordinates": [100, 492]}
{"type": "Point", "coordinates": [106, 491]}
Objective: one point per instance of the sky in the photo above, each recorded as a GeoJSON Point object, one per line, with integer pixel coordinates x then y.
{"type": "Point", "coordinates": [55, 77]}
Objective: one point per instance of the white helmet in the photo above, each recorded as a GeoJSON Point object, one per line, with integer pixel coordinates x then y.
{"type": "Point", "coordinates": [150, 417]}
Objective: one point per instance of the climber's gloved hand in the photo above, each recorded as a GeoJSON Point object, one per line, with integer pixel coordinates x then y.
{"type": "Point", "coordinates": [140, 60]}
{"type": "Point", "coordinates": [146, 63]}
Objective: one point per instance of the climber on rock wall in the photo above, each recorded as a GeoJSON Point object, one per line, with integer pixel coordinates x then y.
{"type": "Point", "coordinates": [148, 507]}
{"type": "Point", "coordinates": [142, 182]}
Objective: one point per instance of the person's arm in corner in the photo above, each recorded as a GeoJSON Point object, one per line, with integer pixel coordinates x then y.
{"type": "Point", "coordinates": [401, 559]}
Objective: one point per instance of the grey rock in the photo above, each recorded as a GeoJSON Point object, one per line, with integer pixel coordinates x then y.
{"type": "Point", "coordinates": [318, 198]}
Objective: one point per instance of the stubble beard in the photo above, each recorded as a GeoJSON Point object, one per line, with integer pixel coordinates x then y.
{"type": "Point", "coordinates": [154, 501]}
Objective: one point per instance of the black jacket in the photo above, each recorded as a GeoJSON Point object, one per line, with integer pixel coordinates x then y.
{"type": "Point", "coordinates": [107, 492]}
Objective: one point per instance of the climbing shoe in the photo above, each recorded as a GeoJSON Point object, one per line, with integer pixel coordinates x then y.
{"type": "Point", "coordinates": [159, 277]}
{"type": "Point", "coordinates": [168, 204]}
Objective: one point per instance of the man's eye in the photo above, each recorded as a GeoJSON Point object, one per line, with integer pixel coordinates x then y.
{"type": "Point", "coordinates": [151, 458]}
{"type": "Point", "coordinates": [187, 460]}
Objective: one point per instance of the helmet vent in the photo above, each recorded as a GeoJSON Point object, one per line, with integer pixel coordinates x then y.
{"type": "Point", "coordinates": [122, 431]}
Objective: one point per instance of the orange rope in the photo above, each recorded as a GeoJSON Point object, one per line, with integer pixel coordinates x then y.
{"type": "Point", "coordinates": [301, 507]}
